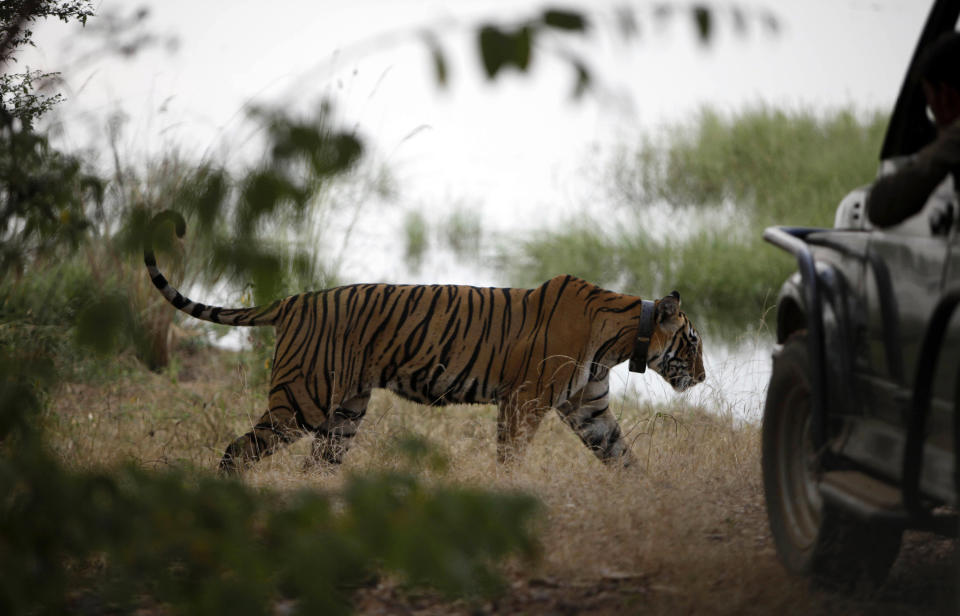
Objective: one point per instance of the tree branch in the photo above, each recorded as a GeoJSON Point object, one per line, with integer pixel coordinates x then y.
{"type": "Point", "coordinates": [27, 10]}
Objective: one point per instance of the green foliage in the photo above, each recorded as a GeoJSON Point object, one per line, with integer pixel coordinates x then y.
{"type": "Point", "coordinates": [201, 545]}
{"type": "Point", "coordinates": [415, 229]}
{"type": "Point", "coordinates": [728, 283]}
{"type": "Point", "coordinates": [105, 322]}
{"type": "Point", "coordinates": [460, 233]}
{"type": "Point", "coordinates": [54, 295]}
{"type": "Point", "coordinates": [501, 48]}
{"type": "Point", "coordinates": [18, 98]}
{"type": "Point", "coordinates": [564, 20]}
{"type": "Point", "coordinates": [775, 166]}
{"type": "Point", "coordinates": [443, 537]}
{"type": "Point", "coordinates": [463, 233]}
{"type": "Point", "coordinates": [306, 155]}
{"type": "Point", "coordinates": [579, 248]}
{"type": "Point", "coordinates": [512, 46]}
{"type": "Point", "coordinates": [703, 19]}
{"type": "Point", "coordinates": [63, 310]}
{"type": "Point", "coordinates": [252, 228]}
{"type": "Point", "coordinates": [17, 15]}
{"type": "Point", "coordinates": [44, 196]}
{"type": "Point", "coordinates": [515, 46]}
{"type": "Point", "coordinates": [26, 373]}
{"type": "Point", "coordinates": [37, 312]}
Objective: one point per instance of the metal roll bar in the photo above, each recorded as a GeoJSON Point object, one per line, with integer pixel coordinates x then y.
{"type": "Point", "coordinates": [792, 239]}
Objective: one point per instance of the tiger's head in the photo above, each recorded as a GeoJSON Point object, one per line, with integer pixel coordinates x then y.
{"type": "Point", "coordinates": [676, 349]}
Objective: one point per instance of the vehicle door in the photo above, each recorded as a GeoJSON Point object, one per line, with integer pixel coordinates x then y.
{"type": "Point", "coordinates": [907, 266]}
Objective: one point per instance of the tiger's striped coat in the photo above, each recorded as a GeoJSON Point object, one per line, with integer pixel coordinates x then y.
{"type": "Point", "coordinates": [526, 350]}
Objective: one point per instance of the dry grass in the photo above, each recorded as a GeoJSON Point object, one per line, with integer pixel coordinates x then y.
{"type": "Point", "coordinates": [683, 532]}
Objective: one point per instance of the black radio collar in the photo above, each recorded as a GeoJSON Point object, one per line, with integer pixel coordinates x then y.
{"type": "Point", "coordinates": [638, 359]}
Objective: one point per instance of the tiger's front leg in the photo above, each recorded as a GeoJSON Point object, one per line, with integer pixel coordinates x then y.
{"type": "Point", "coordinates": [333, 437]}
{"type": "Point", "coordinates": [588, 414]}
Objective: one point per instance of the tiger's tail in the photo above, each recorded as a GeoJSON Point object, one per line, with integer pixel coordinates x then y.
{"type": "Point", "coordinates": [257, 315]}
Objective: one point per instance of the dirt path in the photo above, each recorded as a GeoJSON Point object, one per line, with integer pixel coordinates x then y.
{"type": "Point", "coordinates": [919, 584]}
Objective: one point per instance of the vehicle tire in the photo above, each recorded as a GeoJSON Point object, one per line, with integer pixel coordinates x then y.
{"type": "Point", "coordinates": [811, 538]}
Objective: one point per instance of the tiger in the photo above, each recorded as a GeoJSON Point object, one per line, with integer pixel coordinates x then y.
{"type": "Point", "coordinates": [524, 350]}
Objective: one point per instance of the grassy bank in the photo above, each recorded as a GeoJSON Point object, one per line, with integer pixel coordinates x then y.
{"type": "Point", "coordinates": [683, 532]}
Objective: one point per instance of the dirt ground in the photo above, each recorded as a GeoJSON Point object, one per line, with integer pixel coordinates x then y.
{"type": "Point", "coordinates": [918, 584]}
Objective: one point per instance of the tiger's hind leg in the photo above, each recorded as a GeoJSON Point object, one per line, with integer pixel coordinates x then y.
{"type": "Point", "coordinates": [291, 414]}
{"type": "Point", "coordinates": [588, 414]}
{"type": "Point", "coordinates": [333, 437]}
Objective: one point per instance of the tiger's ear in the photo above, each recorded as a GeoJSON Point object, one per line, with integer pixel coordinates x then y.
{"type": "Point", "coordinates": [667, 309]}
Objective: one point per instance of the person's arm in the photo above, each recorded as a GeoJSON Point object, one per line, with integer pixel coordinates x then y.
{"type": "Point", "coordinates": [897, 196]}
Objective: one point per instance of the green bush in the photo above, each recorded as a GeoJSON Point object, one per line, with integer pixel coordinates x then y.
{"type": "Point", "coordinates": [38, 312]}
{"type": "Point", "coordinates": [124, 539]}
{"type": "Point", "coordinates": [203, 545]}
{"type": "Point", "coordinates": [53, 293]}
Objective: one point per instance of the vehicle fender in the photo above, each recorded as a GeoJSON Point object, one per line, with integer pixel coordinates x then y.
{"type": "Point", "coordinates": [792, 316]}
{"type": "Point", "coordinates": [791, 308]}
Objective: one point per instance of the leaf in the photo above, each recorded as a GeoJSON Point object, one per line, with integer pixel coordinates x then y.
{"type": "Point", "coordinates": [493, 49]}
{"type": "Point", "coordinates": [703, 19]}
{"type": "Point", "coordinates": [439, 66]}
{"type": "Point", "coordinates": [523, 43]}
{"type": "Point", "coordinates": [500, 48]}
{"type": "Point", "coordinates": [206, 195]}
{"type": "Point", "coordinates": [416, 231]}
{"type": "Point", "coordinates": [101, 325]}
{"type": "Point", "coordinates": [565, 20]}
{"type": "Point", "coordinates": [437, 58]}
{"type": "Point", "coordinates": [584, 79]}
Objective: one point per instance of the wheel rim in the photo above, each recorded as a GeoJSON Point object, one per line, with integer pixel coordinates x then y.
{"type": "Point", "coordinates": [801, 501]}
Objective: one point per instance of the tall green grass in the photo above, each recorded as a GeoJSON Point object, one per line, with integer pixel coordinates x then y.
{"type": "Point", "coordinates": [687, 208]}
{"type": "Point", "coordinates": [776, 166]}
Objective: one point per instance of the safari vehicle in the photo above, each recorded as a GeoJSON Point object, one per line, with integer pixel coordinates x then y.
{"type": "Point", "coordinates": [860, 429]}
